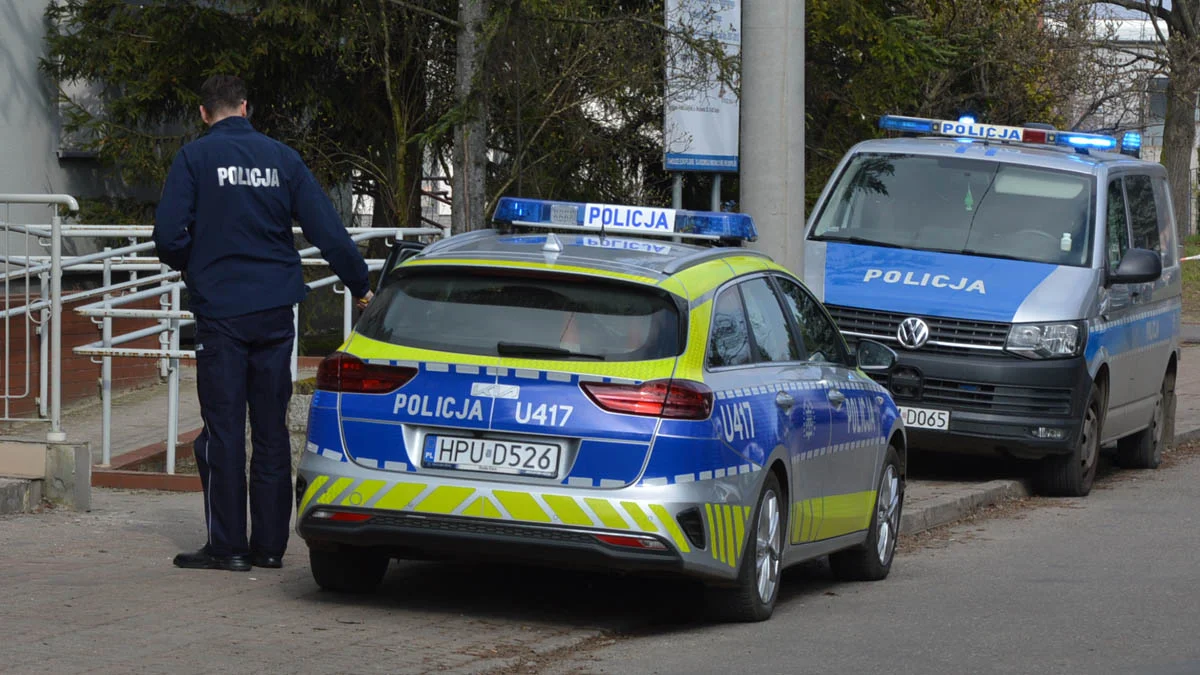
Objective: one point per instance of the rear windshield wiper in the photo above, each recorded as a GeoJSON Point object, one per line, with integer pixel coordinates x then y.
{"type": "Point", "coordinates": [529, 349]}
{"type": "Point", "coordinates": [857, 240]}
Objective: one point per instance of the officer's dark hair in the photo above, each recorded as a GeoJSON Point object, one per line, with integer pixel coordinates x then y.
{"type": "Point", "coordinates": [222, 93]}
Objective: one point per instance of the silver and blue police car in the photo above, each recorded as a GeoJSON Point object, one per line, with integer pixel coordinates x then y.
{"type": "Point", "coordinates": [580, 386]}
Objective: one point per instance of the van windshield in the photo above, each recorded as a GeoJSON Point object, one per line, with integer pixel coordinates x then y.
{"type": "Point", "coordinates": [958, 205]}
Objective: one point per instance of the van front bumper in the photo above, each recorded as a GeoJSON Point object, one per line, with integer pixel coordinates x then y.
{"type": "Point", "coordinates": [1012, 406]}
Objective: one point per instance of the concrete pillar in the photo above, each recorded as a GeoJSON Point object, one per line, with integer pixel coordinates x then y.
{"type": "Point", "coordinates": [772, 127]}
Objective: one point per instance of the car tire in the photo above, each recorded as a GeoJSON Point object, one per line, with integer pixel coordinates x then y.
{"type": "Point", "coordinates": [1144, 450]}
{"type": "Point", "coordinates": [756, 590]}
{"type": "Point", "coordinates": [1072, 474]}
{"type": "Point", "coordinates": [872, 560]}
{"type": "Point", "coordinates": [348, 570]}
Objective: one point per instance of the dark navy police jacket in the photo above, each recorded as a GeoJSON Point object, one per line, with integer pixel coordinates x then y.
{"type": "Point", "coordinates": [225, 220]}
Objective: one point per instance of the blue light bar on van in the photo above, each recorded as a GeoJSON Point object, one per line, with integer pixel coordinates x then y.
{"type": "Point", "coordinates": [1088, 141]}
{"type": "Point", "coordinates": [645, 220]}
{"type": "Point", "coordinates": [967, 128]}
{"type": "Point", "coordinates": [1131, 144]}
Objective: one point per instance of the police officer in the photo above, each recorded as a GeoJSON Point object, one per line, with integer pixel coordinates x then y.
{"type": "Point", "coordinates": [225, 222]}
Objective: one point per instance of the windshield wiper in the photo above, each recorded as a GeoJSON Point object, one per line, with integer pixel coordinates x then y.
{"type": "Point", "coordinates": [857, 240]}
{"type": "Point", "coordinates": [986, 254]}
{"type": "Point", "coordinates": [530, 349]}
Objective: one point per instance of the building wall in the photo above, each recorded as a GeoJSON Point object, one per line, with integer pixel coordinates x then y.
{"type": "Point", "coordinates": [29, 119]}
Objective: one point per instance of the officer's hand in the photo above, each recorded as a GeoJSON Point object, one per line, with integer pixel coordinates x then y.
{"type": "Point", "coordinates": [365, 300]}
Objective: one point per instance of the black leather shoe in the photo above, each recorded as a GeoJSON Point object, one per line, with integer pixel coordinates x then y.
{"type": "Point", "coordinates": [203, 560]}
{"type": "Point", "coordinates": [264, 560]}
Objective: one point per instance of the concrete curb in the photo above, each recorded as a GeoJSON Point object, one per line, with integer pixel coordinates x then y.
{"type": "Point", "coordinates": [950, 508]}
{"type": "Point", "coordinates": [19, 495]}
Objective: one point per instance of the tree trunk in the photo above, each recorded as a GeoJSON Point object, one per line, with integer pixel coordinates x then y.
{"type": "Point", "coordinates": [469, 182]}
{"type": "Point", "coordinates": [1179, 127]}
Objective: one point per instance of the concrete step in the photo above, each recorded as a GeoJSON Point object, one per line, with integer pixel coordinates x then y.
{"type": "Point", "coordinates": [19, 495]}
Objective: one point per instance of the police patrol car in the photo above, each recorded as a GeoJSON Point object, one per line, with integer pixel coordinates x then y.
{"type": "Point", "coordinates": [579, 386]}
{"type": "Point", "coordinates": [1029, 278]}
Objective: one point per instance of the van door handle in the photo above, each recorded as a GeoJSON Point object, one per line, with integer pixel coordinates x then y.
{"type": "Point", "coordinates": [785, 400]}
{"type": "Point", "coordinates": [836, 397]}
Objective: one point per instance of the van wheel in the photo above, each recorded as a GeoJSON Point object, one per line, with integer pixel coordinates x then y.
{"type": "Point", "coordinates": [348, 570]}
{"type": "Point", "coordinates": [1072, 474]}
{"type": "Point", "coordinates": [873, 559]}
{"type": "Point", "coordinates": [753, 596]}
{"type": "Point", "coordinates": [1144, 450]}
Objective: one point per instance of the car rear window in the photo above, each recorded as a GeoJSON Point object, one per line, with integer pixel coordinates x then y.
{"type": "Point", "coordinates": [522, 315]}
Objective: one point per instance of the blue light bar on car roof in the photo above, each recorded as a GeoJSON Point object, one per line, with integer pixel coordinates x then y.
{"type": "Point", "coordinates": [967, 127]}
{"type": "Point", "coordinates": [644, 220]}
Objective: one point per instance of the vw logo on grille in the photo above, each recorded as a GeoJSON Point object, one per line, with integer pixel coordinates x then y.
{"type": "Point", "coordinates": [913, 333]}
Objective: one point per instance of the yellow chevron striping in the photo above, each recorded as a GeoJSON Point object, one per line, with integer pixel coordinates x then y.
{"type": "Point", "coordinates": [483, 508]}
{"type": "Point", "coordinates": [521, 505]}
{"type": "Point", "coordinates": [639, 516]}
{"type": "Point", "coordinates": [739, 527]}
{"type": "Point", "coordinates": [444, 499]}
{"type": "Point", "coordinates": [729, 541]}
{"type": "Point", "coordinates": [363, 493]}
{"type": "Point", "coordinates": [399, 496]}
{"type": "Point", "coordinates": [606, 513]}
{"type": "Point", "coordinates": [672, 527]}
{"type": "Point", "coordinates": [315, 485]}
{"type": "Point", "coordinates": [567, 510]}
{"type": "Point", "coordinates": [331, 493]}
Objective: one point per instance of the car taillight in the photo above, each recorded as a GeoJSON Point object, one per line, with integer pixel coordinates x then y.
{"type": "Point", "coordinates": [673, 399]}
{"type": "Point", "coordinates": [350, 374]}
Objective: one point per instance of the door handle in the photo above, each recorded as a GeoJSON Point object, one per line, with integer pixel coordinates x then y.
{"type": "Point", "coordinates": [785, 400]}
{"type": "Point", "coordinates": [836, 397]}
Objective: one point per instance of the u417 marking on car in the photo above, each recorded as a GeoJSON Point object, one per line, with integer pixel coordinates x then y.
{"type": "Point", "coordinates": [737, 421]}
{"type": "Point", "coordinates": [545, 415]}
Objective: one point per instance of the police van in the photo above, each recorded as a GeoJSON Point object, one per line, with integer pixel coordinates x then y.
{"type": "Point", "coordinates": [1029, 279]}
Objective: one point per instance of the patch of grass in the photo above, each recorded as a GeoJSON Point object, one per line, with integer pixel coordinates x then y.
{"type": "Point", "coordinates": [305, 386]}
{"type": "Point", "coordinates": [1191, 281]}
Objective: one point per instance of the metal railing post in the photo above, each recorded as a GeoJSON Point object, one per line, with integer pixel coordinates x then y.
{"type": "Point", "coordinates": [164, 339]}
{"type": "Point", "coordinates": [296, 342]}
{"type": "Point", "coordinates": [347, 313]}
{"type": "Point", "coordinates": [44, 347]}
{"type": "Point", "coordinates": [56, 434]}
{"type": "Point", "coordinates": [106, 372]}
{"type": "Point", "coordinates": [173, 385]}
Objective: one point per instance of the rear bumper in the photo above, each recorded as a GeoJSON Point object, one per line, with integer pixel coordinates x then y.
{"type": "Point", "coordinates": [996, 405]}
{"type": "Point", "coordinates": [688, 528]}
{"type": "Point", "coordinates": [413, 536]}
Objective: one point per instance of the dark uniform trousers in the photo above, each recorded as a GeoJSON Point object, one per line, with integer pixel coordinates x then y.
{"type": "Point", "coordinates": [244, 360]}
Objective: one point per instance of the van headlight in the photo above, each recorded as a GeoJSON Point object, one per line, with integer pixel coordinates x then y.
{"type": "Point", "coordinates": [1046, 340]}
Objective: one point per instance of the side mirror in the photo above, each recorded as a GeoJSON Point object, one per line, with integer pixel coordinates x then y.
{"type": "Point", "coordinates": [874, 357]}
{"type": "Point", "coordinates": [1138, 266]}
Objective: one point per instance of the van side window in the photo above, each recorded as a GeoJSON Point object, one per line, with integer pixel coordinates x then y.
{"type": "Point", "coordinates": [729, 340]}
{"type": "Point", "coordinates": [1143, 216]}
{"type": "Point", "coordinates": [1118, 237]}
{"type": "Point", "coordinates": [1166, 230]}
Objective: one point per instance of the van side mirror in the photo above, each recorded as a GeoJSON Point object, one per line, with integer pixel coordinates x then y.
{"type": "Point", "coordinates": [873, 356]}
{"type": "Point", "coordinates": [1138, 266]}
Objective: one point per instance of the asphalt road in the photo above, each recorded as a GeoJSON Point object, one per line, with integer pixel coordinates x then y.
{"type": "Point", "coordinates": [1107, 584]}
